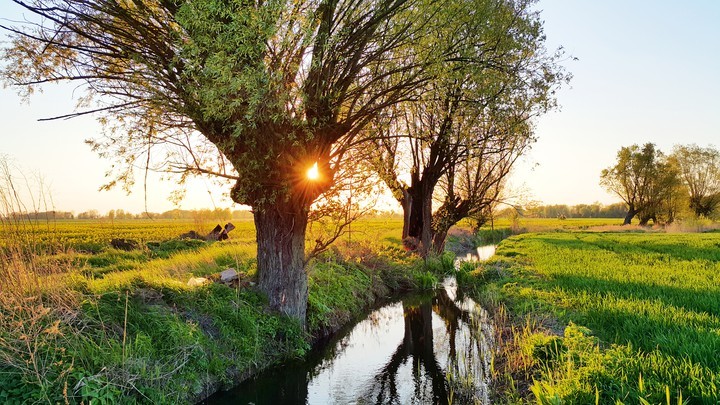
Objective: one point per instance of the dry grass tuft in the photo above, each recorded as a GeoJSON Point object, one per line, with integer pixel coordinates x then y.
{"type": "Point", "coordinates": [36, 311]}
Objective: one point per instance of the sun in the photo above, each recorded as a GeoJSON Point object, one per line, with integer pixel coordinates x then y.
{"type": "Point", "coordinates": [313, 173]}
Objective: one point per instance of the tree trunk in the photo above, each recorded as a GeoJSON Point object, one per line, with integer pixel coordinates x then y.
{"type": "Point", "coordinates": [438, 242]}
{"type": "Point", "coordinates": [630, 215]}
{"type": "Point", "coordinates": [426, 233]}
{"type": "Point", "coordinates": [447, 215]}
{"type": "Point", "coordinates": [415, 216]}
{"type": "Point", "coordinates": [280, 235]}
{"type": "Point", "coordinates": [645, 219]}
{"type": "Point", "coordinates": [406, 204]}
{"type": "Point", "coordinates": [417, 210]}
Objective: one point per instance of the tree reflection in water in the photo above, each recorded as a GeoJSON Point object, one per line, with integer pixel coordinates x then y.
{"type": "Point", "coordinates": [432, 362]}
{"type": "Point", "coordinates": [442, 354]}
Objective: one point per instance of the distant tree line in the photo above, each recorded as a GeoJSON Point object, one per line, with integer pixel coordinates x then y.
{"type": "Point", "coordinates": [205, 214]}
{"type": "Point", "coordinates": [663, 188]}
{"type": "Point", "coordinates": [217, 214]}
{"type": "Point", "coordinates": [595, 210]}
{"type": "Point", "coordinates": [40, 215]}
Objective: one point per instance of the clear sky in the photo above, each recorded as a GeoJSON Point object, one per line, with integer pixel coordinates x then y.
{"type": "Point", "coordinates": [648, 71]}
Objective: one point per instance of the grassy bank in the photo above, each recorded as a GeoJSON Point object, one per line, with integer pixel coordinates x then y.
{"type": "Point", "coordinates": [114, 326]}
{"type": "Point", "coordinates": [607, 317]}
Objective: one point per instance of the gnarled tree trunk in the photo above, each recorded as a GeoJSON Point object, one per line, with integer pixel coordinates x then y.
{"type": "Point", "coordinates": [645, 219]}
{"type": "Point", "coordinates": [417, 214]}
{"type": "Point", "coordinates": [447, 215]}
{"type": "Point", "coordinates": [426, 234]}
{"type": "Point", "coordinates": [630, 215]}
{"type": "Point", "coordinates": [280, 232]}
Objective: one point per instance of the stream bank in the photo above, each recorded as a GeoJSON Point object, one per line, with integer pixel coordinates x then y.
{"type": "Point", "coordinates": [427, 347]}
{"type": "Point", "coordinates": [432, 347]}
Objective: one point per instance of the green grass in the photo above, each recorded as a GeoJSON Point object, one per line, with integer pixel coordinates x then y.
{"type": "Point", "coordinates": [93, 236]}
{"type": "Point", "coordinates": [502, 228]}
{"type": "Point", "coordinates": [643, 310]}
{"type": "Point", "coordinates": [106, 326]}
{"type": "Point", "coordinates": [553, 224]}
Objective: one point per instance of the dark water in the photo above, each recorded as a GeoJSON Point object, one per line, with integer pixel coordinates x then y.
{"type": "Point", "coordinates": [425, 349]}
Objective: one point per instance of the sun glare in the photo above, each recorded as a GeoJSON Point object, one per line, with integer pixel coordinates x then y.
{"type": "Point", "coordinates": [313, 173]}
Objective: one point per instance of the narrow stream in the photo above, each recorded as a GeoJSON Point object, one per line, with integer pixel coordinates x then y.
{"type": "Point", "coordinates": [483, 253]}
{"type": "Point", "coordinates": [432, 348]}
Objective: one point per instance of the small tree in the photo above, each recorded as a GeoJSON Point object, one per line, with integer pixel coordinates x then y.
{"type": "Point", "coordinates": [699, 170]}
{"type": "Point", "coordinates": [645, 181]}
{"type": "Point", "coordinates": [467, 119]}
{"type": "Point", "coordinates": [473, 187]}
{"type": "Point", "coordinates": [667, 195]}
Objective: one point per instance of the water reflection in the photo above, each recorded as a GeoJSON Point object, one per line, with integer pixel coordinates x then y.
{"type": "Point", "coordinates": [424, 349]}
{"type": "Point", "coordinates": [485, 252]}
{"type": "Point", "coordinates": [480, 254]}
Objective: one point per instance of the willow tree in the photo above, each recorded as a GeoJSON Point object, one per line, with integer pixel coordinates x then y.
{"type": "Point", "coordinates": [473, 187]}
{"type": "Point", "coordinates": [646, 182]}
{"type": "Point", "coordinates": [473, 113]}
{"type": "Point", "coordinates": [699, 170]}
{"type": "Point", "coordinates": [255, 92]}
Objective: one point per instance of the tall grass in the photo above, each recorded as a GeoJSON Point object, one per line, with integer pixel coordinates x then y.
{"type": "Point", "coordinates": [82, 322]}
{"type": "Point", "coordinates": [36, 313]}
{"type": "Point", "coordinates": [638, 314]}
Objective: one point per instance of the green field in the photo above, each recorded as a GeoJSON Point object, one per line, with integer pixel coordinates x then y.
{"type": "Point", "coordinates": [83, 322]}
{"type": "Point", "coordinates": [93, 236]}
{"type": "Point", "coordinates": [586, 315]}
{"type": "Point", "coordinates": [554, 224]}
{"type": "Point", "coordinates": [637, 314]}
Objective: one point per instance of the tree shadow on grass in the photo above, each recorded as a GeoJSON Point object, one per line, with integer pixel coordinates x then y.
{"type": "Point", "coordinates": [639, 246]}
{"type": "Point", "coordinates": [690, 299]}
{"type": "Point", "coordinates": [694, 338]}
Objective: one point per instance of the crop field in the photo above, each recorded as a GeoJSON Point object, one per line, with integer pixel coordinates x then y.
{"type": "Point", "coordinates": [555, 224]}
{"type": "Point", "coordinates": [641, 310]}
{"type": "Point", "coordinates": [82, 321]}
{"type": "Point", "coordinates": [93, 236]}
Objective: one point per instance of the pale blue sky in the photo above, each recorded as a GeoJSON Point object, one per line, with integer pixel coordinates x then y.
{"type": "Point", "coordinates": [647, 72]}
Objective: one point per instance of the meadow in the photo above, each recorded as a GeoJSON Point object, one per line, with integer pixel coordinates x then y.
{"type": "Point", "coordinates": [608, 317]}
{"type": "Point", "coordinates": [81, 321]}
{"type": "Point", "coordinates": [93, 236]}
{"type": "Point", "coordinates": [588, 316]}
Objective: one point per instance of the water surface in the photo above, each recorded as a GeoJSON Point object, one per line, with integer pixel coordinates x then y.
{"type": "Point", "coordinates": [433, 348]}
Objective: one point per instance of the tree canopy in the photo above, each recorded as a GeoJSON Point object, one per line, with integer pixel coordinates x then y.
{"type": "Point", "coordinates": [456, 141]}
{"type": "Point", "coordinates": [257, 92]}
{"type": "Point", "coordinates": [648, 182]}
{"type": "Point", "coordinates": [699, 170]}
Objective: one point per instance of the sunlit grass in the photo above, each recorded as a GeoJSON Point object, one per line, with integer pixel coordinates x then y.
{"type": "Point", "coordinates": [87, 322]}
{"type": "Point", "coordinates": [650, 303]}
{"type": "Point", "coordinates": [93, 236]}
{"type": "Point", "coordinates": [548, 224]}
